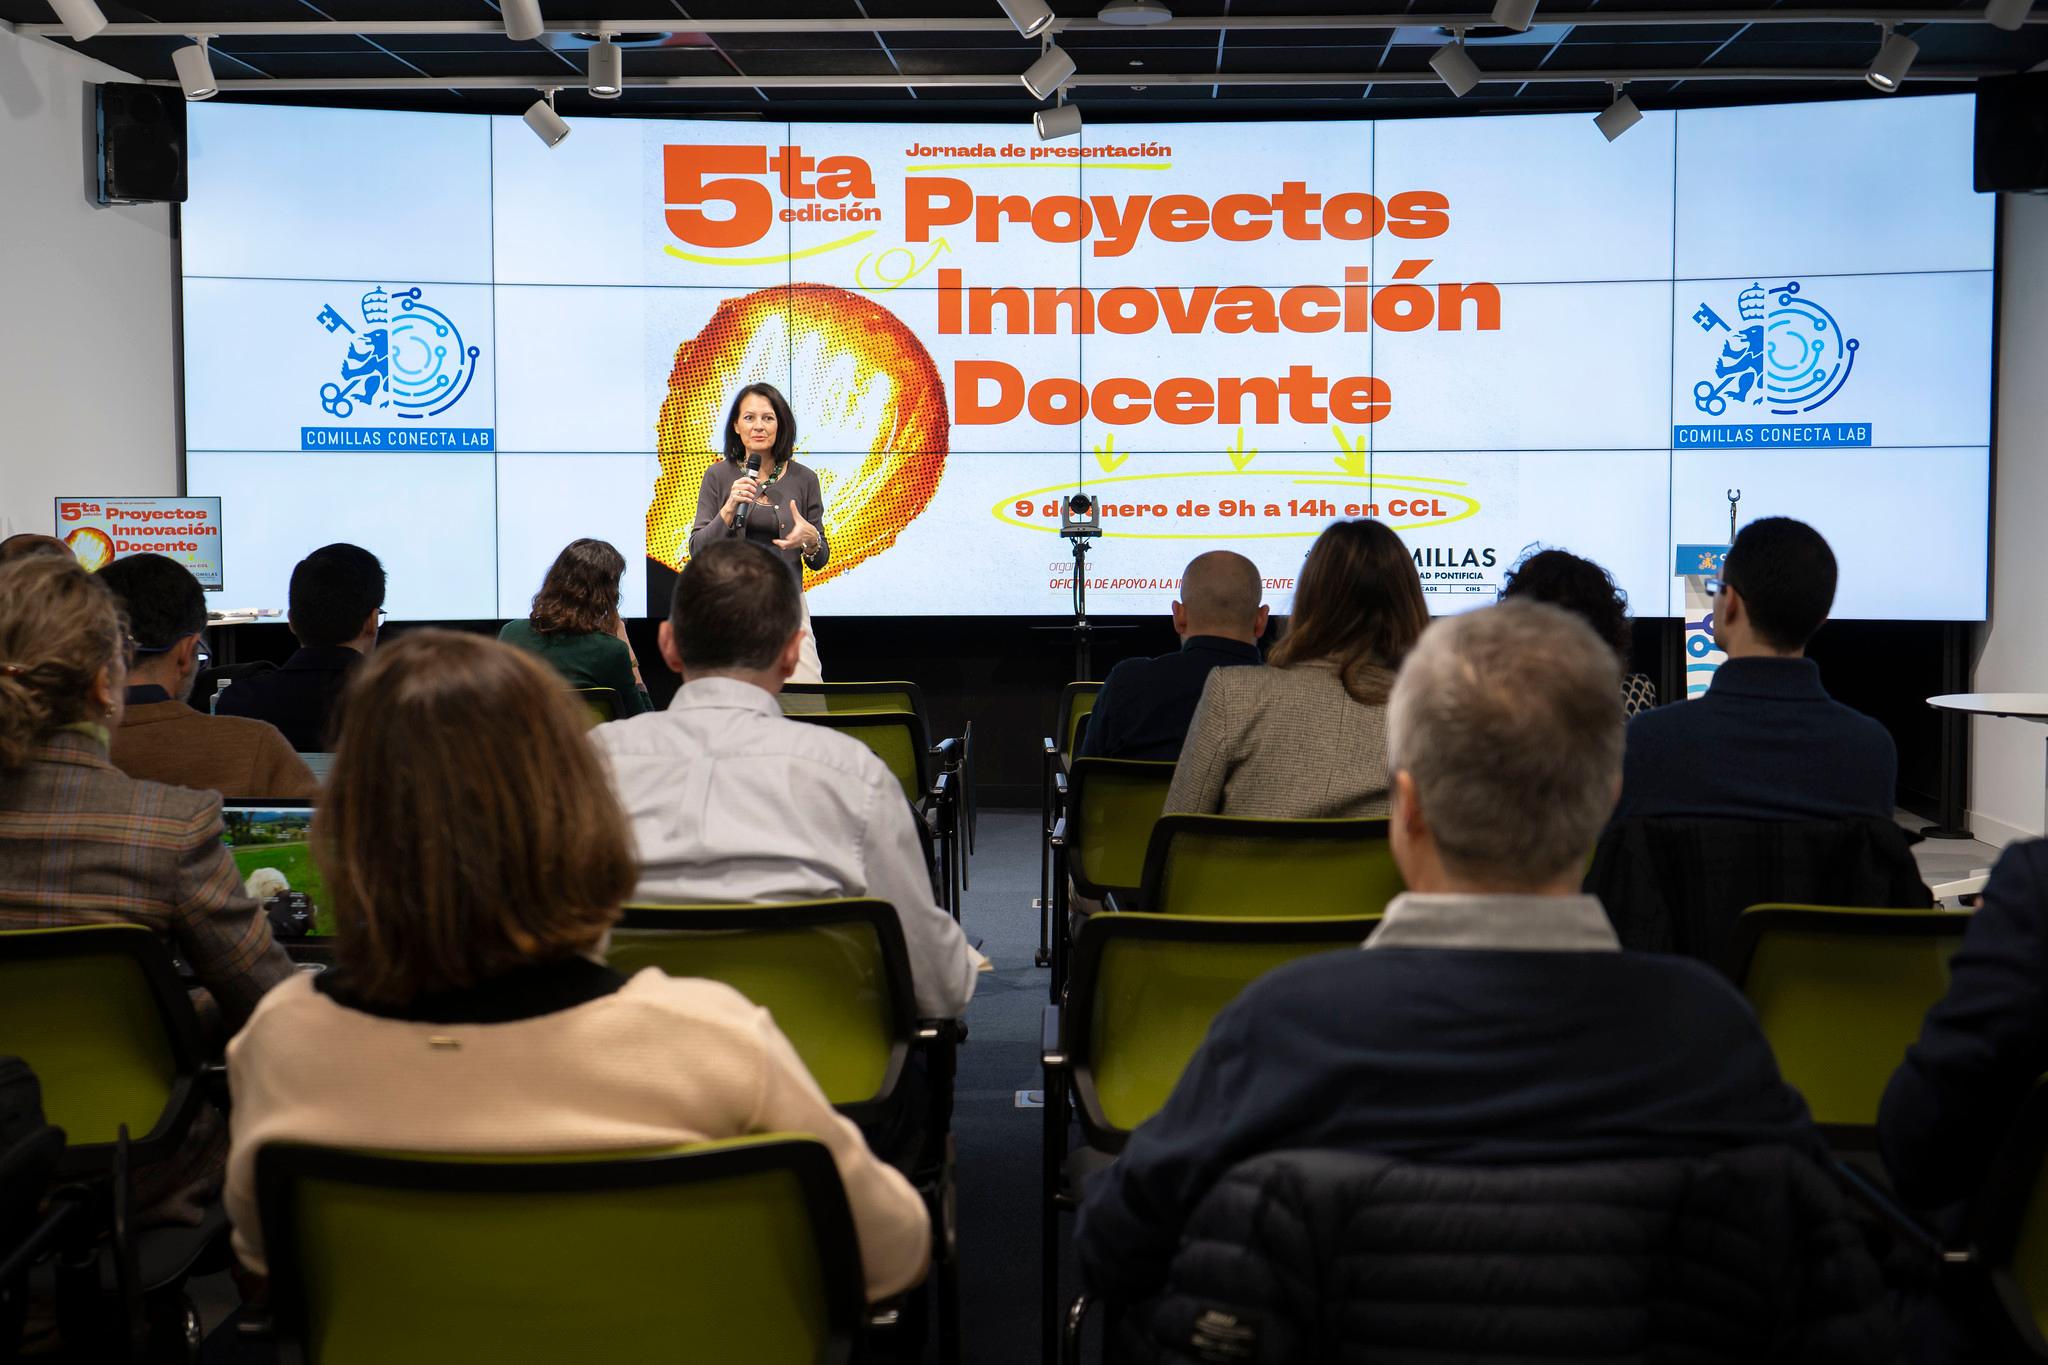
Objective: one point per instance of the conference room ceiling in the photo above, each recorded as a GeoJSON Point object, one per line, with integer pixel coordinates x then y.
{"type": "Point", "coordinates": [937, 60]}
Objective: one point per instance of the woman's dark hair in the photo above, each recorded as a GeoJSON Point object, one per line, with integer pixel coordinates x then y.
{"type": "Point", "coordinates": [1359, 606]}
{"type": "Point", "coordinates": [1579, 586]}
{"type": "Point", "coordinates": [785, 424]}
{"type": "Point", "coordinates": [580, 595]}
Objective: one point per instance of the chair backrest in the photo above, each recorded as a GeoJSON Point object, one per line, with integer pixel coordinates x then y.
{"type": "Point", "coordinates": [834, 974]}
{"type": "Point", "coordinates": [1112, 805]}
{"type": "Point", "coordinates": [854, 698]}
{"type": "Point", "coordinates": [1236, 866]}
{"type": "Point", "coordinates": [601, 702]}
{"type": "Point", "coordinates": [98, 1012]}
{"type": "Point", "coordinates": [1144, 990]}
{"type": "Point", "coordinates": [737, 1250]}
{"type": "Point", "coordinates": [1841, 994]}
{"type": "Point", "coordinates": [897, 737]}
{"type": "Point", "coordinates": [1678, 885]}
{"type": "Point", "coordinates": [1077, 703]}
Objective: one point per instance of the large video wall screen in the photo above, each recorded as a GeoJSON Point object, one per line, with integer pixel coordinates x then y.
{"type": "Point", "coordinates": [1492, 333]}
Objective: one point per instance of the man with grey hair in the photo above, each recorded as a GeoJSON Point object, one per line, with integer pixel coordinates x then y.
{"type": "Point", "coordinates": [1146, 704]}
{"type": "Point", "coordinates": [1492, 1019]}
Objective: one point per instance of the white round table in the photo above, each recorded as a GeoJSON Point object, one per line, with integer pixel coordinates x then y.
{"type": "Point", "coordinates": [2031, 706]}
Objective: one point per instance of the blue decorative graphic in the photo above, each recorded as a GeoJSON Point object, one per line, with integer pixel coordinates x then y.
{"type": "Point", "coordinates": [1789, 358]}
{"type": "Point", "coordinates": [414, 366]}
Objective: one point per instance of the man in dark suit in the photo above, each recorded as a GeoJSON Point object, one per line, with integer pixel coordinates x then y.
{"type": "Point", "coordinates": [1766, 742]}
{"type": "Point", "coordinates": [337, 605]}
{"type": "Point", "coordinates": [1492, 1018]}
{"type": "Point", "coordinates": [1146, 704]}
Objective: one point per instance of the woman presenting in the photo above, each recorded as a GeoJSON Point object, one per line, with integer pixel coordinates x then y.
{"type": "Point", "coordinates": [776, 501]}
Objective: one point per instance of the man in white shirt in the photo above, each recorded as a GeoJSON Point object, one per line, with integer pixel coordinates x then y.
{"type": "Point", "coordinates": [732, 801]}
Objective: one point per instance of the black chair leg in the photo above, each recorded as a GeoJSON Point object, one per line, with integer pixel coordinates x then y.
{"type": "Point", "coordinates": [1053, 1159]}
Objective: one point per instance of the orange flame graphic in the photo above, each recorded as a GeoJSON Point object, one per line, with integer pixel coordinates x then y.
{"type": "Point", "coordinates": [853, 371]}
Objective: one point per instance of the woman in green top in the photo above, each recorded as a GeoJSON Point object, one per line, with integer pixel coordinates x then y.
{"type": "Point", "coordinates": [576, 627]}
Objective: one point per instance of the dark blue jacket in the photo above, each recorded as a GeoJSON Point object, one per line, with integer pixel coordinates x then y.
{"type": "Point", "coordinates": [1146, 704]}
{"type": "Point", "coordinates": [1981, 1048]}
{"type": "Point", "coordinates": [1766, 742]}
{"type": "Point", "coordinates": [298, 697]}
{"type": "Point", "coordinates": [1454, 1056]}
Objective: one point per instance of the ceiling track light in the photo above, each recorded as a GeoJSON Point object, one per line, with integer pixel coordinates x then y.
{"type": "Point", "coordinates": [1618, 117]}
{"type": "Point", "coordinates": [81, 18]}
{"type": "Point", "coordinates": [1134, 13]}
{"type": "Point", "coordinates": [549, 126]}
{"type": "Point", "coordinates": [1062, 120]}
{"type": "Point", "coordinates": [522, 19]}
{"type": "Point", "coordinates": [1030, 16]}
{"type": "Point", "coordinates": [1514, 14]}
{"type": "Point", "coordinates": [1053, 69]}
{"type": "Point", "coordinates": [1894, 58]}
{"type": "Point", "coordinates": [195, 71]}
{"type": "Point", "coordinates": [2009, 15]}
{"type": "Point", "coordinates": [1454, 65]}
{"type": "Point", "coordinates": [607, 69]}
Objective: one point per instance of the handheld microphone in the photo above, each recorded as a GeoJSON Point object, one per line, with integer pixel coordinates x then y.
{"type": "Point", "coordinates": [739, 516]}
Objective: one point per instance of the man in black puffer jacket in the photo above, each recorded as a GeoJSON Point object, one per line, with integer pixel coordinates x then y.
{"type": "Point", "coordinates": [1492, 1020]}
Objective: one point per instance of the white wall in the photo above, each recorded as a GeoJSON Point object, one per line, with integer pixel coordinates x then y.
{"type": "Point", "coordinates": [86, 296]}
{"type": "Point", "coordinates": [2009, 758]}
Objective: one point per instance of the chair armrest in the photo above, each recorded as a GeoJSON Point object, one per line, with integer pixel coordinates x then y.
{"type": "Point", "coordinates": [1071, 1325]}
{"type": "Point", "coordinates": [1949, 895]}
{"type": "Point", "coordinates": [1883, 1203]}
{"type": "Point", "coordinates": [1116, 901]}
{"type": "Point", "coordinates": [941, 1030]}
{"type": "Point", "coordinates": [947, 751]}
{"type": "Point", "coordinates": [213, 1083]}
{"type": "Point", "coordinates": [1051, 1054]}
{"type": "Point", "coordinates": [1057, 836]}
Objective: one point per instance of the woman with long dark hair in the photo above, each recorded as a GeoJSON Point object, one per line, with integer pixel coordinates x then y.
{"type": "Point", "coordinates": [758, 491]}
{"type": "Point", "coordinates": [1306, 737]}
{"type": "Point", "coordinates": [576, 627]}
{"type": "Point", "coordinates": [1585, 589]}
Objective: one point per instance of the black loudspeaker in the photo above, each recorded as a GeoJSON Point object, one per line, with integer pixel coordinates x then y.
{"type": "Point", "coordinates": [2012, 133]}
{"type": "Point", "coordinates": [140, 131]}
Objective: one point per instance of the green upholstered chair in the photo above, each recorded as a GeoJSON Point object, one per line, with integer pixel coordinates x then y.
{"type": "Point", "coordinates": [601, 702]}
{"type": "Point", "coordinates": [1235, 866]}
{"type": "Point", "coordinates": [1109, 808]}
{"type": "Point", "coordinates": [1076, 704]}
{"type": "Point", "coordinates": [740, 1250]}
{"type": "Point", "coordinates": [99, 1014]}
{"type": "Point", "coordinates": [928, 773]}
{"type": "Point", "coordinates": [1144, 991]}
{"type": "Point", "coordinates": [835, 975]}
{"type": "Point", "coordinates": [1841, 994]}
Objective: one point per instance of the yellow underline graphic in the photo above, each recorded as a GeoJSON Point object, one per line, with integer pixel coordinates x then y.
{"type": "Point", "coordinates": [1034, 165]}
{"type": "Point", "coordinates": [770, 260]}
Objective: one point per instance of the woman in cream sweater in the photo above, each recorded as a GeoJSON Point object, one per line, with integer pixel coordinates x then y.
{"type": "Point", "coordinates": [475, 859]}
{"type": "Point", "coordinates": [1306, 737]}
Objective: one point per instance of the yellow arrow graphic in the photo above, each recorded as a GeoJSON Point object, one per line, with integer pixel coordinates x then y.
{"type": "Point", "coordinates": [1106, 456]}
{"type": "Point", "coordinates": [1352, 461]}
{"type": "Point", "coordinates": [1239, 455]}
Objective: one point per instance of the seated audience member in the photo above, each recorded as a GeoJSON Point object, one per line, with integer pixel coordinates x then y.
{"type": "Point", "coordinates": [83, 843]}
{"type": "Point", "coordinates": [1306, 737]}
{"type": "Point", "coordinates": [733, 801]}
{"type": "Point", "coordinates": [575, 626]}
{"type": "Point", "coordinates": [32, 543]}
{"type": "Point", "coordinates": [1981, 1048]}
{"type": "Point", "coordinates": [1146, 704]}
{"type": "Point", "coordinates": [1766, 742]}
{"type": "Point", "coordinates": [1588, 591]}
{"type": "Point", "coordinates": [1491, 1019]}
{"type": "Point", "coordinates": [336, 606]}
{"type": "Point", "coordinates": [162, 739]}
{"type": "Point", "coordinates": [475, 860]}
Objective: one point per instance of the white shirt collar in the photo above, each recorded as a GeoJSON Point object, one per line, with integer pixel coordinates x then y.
{"type": "Point", "coordinates": [1555, 924]}
{"type": "Point", "coordinates": [724, 694]}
